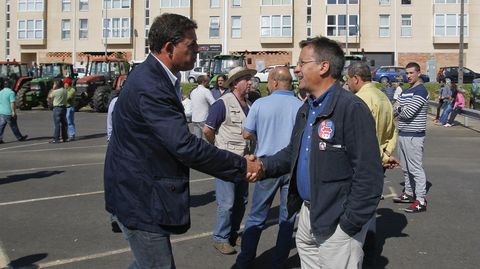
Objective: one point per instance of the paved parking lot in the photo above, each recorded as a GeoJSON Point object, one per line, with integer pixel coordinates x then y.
{"type": "Point", "coordinates": [52, 209]}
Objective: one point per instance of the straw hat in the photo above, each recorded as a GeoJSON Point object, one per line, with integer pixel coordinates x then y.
{"type": "Point", "coordinates": [237, 73]}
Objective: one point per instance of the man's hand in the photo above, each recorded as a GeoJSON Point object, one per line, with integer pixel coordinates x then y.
{"type": "Point", "coordinates": [391, 163]}
{"type": "Point", "coordinates": [254, 168]}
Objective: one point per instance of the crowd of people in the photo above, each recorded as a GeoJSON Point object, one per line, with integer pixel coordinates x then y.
{"type": "Point", "coordinates": [452, 100]}
{"type": "Point", "coordinates": [325, 150]}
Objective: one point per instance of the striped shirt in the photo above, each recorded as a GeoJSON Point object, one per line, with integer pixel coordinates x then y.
{"type": "Point", "coordinates": [412, 112]}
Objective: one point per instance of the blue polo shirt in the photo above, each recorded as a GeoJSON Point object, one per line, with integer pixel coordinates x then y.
{"type": "Point", "coordinates": [303, 165]}
{"type": "Point", "coordinates": [272, 118]}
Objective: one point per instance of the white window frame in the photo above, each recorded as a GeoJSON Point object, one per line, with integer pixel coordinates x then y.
{"type": "Point", "coordinates": [116, 4]}
{"type": "Point", "coordinates": [30, 5]}
{"type": "Point", "coordinates": [267, 25]}
{"type": "Point", "coordinates": [214, 21]}
{"type": "Point", "coordinates": [171, 4]}
{"type": "Point", "coordinates": [66, 5]}
{"type": "Point", "coordinates": [445, 25]}
{"type": "Point", "coordinates": [236, 28]}
{"type": "Point", "coordinates": [402, 27]}
{"type": "Point", "coordinates": [383, 26]}
{"type": "Point", "coordinates": [347, 25]}
{"type": "Point", "coordinates": [36, 30]}
{"type": "Point", "coordinates": [336, 2]}
{"type": "Point", "coordinates": [236, 3]}
{"type": "Point", "coordinates": [446, 2]}
{"type": "Point", "coordinates": [82, 30]}
{"type": "Point", "coordinates": [66, 31]}
{"type": "Point", "coordinates": [116, 28]}
{"type": "Point", "coordinates": [384, 2]}
{"type": "Point", "coordinates": [83, 5]}
{"type": "Point", "coordinates": [214, 3]}
{"type": "Point", "coordinates": [272, 2]}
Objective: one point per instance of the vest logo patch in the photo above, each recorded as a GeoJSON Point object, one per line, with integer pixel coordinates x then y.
{"type": "Point", "coordinates": [326, 130]}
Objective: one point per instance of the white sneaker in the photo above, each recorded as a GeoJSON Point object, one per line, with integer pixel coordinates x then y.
{"type": "Point", "coordinates": [448, 125]}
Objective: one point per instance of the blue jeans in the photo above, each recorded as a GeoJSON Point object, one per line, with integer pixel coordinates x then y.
{"type": "Point", "coordinates": [446, 112]}
{"type": "Point", "coordinates": [263, 196]}
{"type": "Point", "coordinates": [4, 119]}
{"type": "Point", "coordinates": [60, 123]}
{"type": "Point", "coordinates": [231, 201]}
{"type": "Point", "coordinates": [71, 121]}
{"type": "Point", "coordinates": [151, 250]}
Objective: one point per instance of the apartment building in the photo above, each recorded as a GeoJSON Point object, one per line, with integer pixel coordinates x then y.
{"type": "Point", "coordinates": [391, 32]}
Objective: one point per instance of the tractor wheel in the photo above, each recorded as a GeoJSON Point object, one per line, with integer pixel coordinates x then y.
{"type": "Point", "coordinates": [384, 80]}
{"type": "Point", "coordinates": [101, 98]}
{"type": "Point", "coordinates": [113, 94]}
{"type": "Point", "coordinates": [22, 103]}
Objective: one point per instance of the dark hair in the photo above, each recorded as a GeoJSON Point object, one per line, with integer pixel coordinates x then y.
{"type": "Point", "coordinates": [58, 83]}
{"type": "Point", "coordinates": [202, 79]}
{"type": "Point", "coordinates": [168, 28]}
{"type": "Point", "coordinates": [327, 50]}
{"type": "Point", "coordinates": [220, 76]}
{"type": "Point", "coordinates": [360, 69]}
{"type": "Point", "coordinates": [7, 83]}
{"type": "Point", "coordinates": [414, 65]}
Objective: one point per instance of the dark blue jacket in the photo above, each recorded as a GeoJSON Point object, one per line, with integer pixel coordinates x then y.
{"type": "Point", "coordinates": [146, 174]}
{"type": "Point", "coordinates": [346, 172]}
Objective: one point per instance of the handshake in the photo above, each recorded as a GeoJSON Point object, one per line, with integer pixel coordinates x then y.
{"type": "Point", "coordinates": [254, 168]}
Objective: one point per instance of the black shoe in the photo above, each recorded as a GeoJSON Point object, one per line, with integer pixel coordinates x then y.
{"type": "Point", "coordinates": [54, 142]}
{"type": "Point", "coordinates": [23, 138]}
{"type": "Point", "coordinates": [404, 198]}
{"type": "Point", "coordinates": [71, 138]}
{"type": "Point", "coordinates": [416, 207]}
{"type": "Point", "coordinates": [115, 227]}
{"type": "Point", "coordinates": [1, 142]}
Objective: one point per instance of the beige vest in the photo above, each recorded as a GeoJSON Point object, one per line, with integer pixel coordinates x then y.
{"type": "Point", "coordinates": [229, 135]}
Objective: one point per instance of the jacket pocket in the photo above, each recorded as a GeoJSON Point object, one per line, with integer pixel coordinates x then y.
{"type": "Point", "coordinates": [170, 201]}
{"type": "Point", "coordinates": [334, 164]}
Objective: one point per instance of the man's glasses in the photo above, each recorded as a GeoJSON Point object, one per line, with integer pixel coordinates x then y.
{"type": "Point", "coordinates": [302, 63]}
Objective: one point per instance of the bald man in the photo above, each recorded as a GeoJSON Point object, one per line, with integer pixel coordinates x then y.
{"type": "Point", "coordinates": [270, 121]}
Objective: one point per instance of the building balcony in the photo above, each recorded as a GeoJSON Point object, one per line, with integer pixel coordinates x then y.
{"type": "Point", "coordinates": [449, 40]}
{"type": "Point", "coordinates": [276, 40]}
{"type": "Point", "coordinates": [29, 42]}
{"type": "Point", "coordinates": [119, 41]}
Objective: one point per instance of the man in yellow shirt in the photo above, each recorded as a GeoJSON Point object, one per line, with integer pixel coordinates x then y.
{"type": "Point", "coordinates": [359, 81]}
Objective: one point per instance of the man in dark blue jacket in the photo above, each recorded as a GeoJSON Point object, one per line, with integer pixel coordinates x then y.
{"type": "Point", "coordinates": [150, 150]}
{"type": "Point", "coordinates": [334, 161]}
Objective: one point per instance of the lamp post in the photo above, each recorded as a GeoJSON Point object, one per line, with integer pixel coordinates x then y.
{"type": "Point", "coordinates": [106, 31]}
{"type": "Point", "coordinates": [460, 54]}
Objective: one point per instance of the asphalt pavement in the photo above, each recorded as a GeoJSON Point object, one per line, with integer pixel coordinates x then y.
{"type": "Point", "coordinates": [52, 205]}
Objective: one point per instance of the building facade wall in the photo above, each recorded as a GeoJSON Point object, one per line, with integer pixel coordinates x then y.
{"type": "Point", "coordinates": [422, 45]}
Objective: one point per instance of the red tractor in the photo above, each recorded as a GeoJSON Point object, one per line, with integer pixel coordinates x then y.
{"type": "Point", "coordinates": [103, 76]}
{"type": "Point", "coordinates": [15, 71]}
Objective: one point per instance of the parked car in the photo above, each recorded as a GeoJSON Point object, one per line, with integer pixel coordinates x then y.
{"type": "Point", "coordinates": [451, 72]}
{"type": "Point", "coordinates": [195, 73]}
{"type": "Point", "coordinates": [386, 74]}
{"type": "Point", "coordinates": [262, 76]}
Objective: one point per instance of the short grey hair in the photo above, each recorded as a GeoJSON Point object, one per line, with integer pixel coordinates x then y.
{"type": "Point", "coordinates": [361, 70]}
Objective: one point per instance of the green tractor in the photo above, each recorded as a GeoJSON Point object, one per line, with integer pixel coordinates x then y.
{"type": "Point", "coordinates": [35, 92]}
{"type": "Point", "coordinates": [222, 64]}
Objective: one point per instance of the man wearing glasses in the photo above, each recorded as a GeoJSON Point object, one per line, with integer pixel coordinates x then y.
{"type": "Point", "coordinates": [334, 161]}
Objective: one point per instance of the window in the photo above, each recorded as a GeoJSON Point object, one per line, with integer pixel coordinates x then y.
{"type": "Point", "coordinates": [450, 1]}
{"type": "Point", "coordinates": [175, 3]}
{"type": "Point", "coordinates": [236, 27]}
{"type": "Point", "coordinates": [384, 26]}
{"type": "Point", "coordinates": [83, 5]}
{"type": "Point", "coordinates": [406, 26]}
{"type": "Point", "coordinates": [236, 3]}
{"type": "Point", "coordinates": [406, 2]}
{"type": "Point", "coordinates": [384, 2]}
{"type": "Point", "coordinates": [276, 26]}
{"type": "Point", "coordinates": [30, 29]}
{"type": "Point", "coordinates": [109, 4]}
{"type": "Point", "coordinates": [309, 18]}
{"type": "Point", "coordinates": [337, 25]}
{"type": "Point", "coordinates": [65, 29]}
{"type": "Point", "coordinates": [276, 2]}
{"type": "Point", "coordinates": [30, 5]}
{"type": "Point", "coordinates": [116, 27]}
{"type": "Point", "coordinates": [214, 3]}
{"type": "Point", "coordinates": [214, 27]}
{"type": "Point", "coordinates": [341, 2]}
{"type": "Point", "coordinates": [66, 5]}
{"type": "Point", "coordinates": [83, 29]}
{"type": "Point", "coordinates": [449, 24]}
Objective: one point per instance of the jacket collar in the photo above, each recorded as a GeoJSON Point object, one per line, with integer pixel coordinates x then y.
{"type": "Point", "coordinates": [335, 92]}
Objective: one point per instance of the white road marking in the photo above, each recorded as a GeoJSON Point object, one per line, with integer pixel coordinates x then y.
{"type": "Point", "coordinates": [76, 195]}
{"type": "Point", "coordinates": [55, 149]}
{"type": "Point", "coordinates": [392, 193]}
{"type": "Point", "coordinates": [24, 145]}
{"type": "Point", "coordinates": [4, 260]}
{"type": "Point", "coordinates": [49, 167]}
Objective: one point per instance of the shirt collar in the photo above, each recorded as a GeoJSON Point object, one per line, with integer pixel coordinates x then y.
{"type": "Point", "coordinates": [282, 92]}
{"type": "Point", "coordinates": [315, 102]}
{"type": "Point", "coordinates": [173, 78]}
